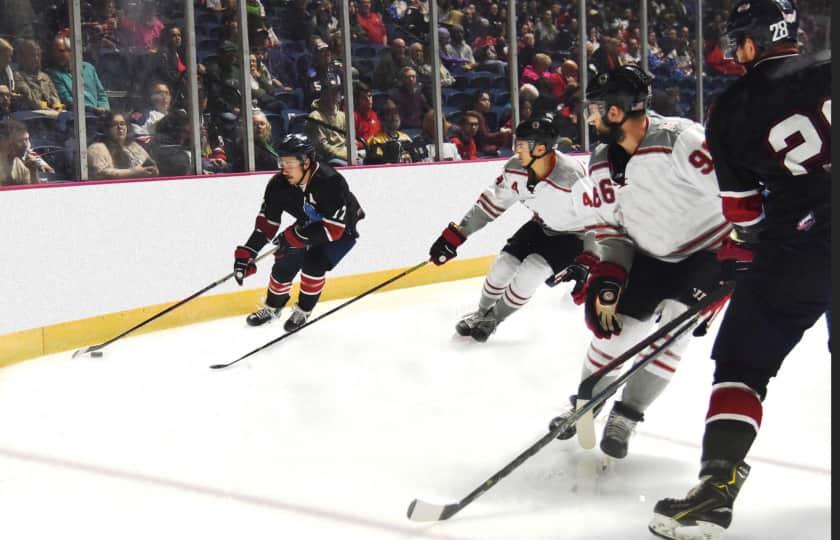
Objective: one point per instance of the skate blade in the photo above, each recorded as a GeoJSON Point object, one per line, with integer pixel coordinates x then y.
{"type": "Point", "coordinates": [666, 527]}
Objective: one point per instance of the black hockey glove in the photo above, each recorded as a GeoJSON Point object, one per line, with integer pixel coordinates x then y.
{"type": "Point", "coordinates": [289, 239]}
{"type": "Point", "coordinates": [578, 272]}
{"type": "Point", "coordinates": [243, 263]}
{"type": "Point", "coordinates": [735, 258]}
{"type": "Point", "coordinates": [446, 246]}
{"type": "Point", "coordinates": [605, 285]}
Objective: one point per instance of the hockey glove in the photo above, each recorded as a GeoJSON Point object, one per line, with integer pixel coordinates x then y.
{"type": "Point", "coordinates": [291, 237]}
{"type": "Point", "coordinates": [709, 315]}
{"type": "Point", "coordinates": [736, 258]}
{"type": "Point", "coordinates": [446, 246]}
{"type": "Point", "coordinates": [604, 287]}
{"type": "Point", "coordinates": [243, 264]}
{"type": "Point", "coordinates": [578, 272]}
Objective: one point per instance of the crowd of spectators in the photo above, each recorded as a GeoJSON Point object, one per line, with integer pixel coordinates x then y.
{"type": "Point", "coordinates": [136, 77]}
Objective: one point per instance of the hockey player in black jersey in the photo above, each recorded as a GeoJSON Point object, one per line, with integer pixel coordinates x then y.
{"type": "Point", "coordinates": [769, 136]}
{"type": "Point", "coordinates": [326, 212]}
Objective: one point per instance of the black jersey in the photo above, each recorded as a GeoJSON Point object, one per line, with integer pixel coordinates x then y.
{"type": "Point", "coordinates": [770, 137]}
{"type": "Point", "coordinates": [324, 211]}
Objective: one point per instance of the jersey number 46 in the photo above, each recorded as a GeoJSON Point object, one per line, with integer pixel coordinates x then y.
{"type": "Point", "coordinates": [607, 194]}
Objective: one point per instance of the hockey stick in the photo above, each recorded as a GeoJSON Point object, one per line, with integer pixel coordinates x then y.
{"type": "Point", "coordinates": [93, 350]}
{"type": "Point", "coordinates": [423, 511]}
{"type": "Point", "coordinates": [318, 318]}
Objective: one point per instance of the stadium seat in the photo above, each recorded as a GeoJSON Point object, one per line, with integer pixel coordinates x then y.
{"type": "Point", "coordinates": [480, 82]}
{"type": "Point", "coordinates": [111, 67]}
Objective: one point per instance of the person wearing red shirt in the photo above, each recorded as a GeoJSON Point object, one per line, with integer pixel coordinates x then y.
{"type": "Point", "coordinates": [465, 140]}
{"type": "Point", "coordinates": [371, 23]}
{"type": "Point", "coordinates": [366, 120]}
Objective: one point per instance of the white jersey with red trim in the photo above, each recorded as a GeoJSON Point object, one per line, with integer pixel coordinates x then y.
{"type": "Point", "coordinates": [556, 200]}
{"type": "Point", "coordinates": [668, 203]}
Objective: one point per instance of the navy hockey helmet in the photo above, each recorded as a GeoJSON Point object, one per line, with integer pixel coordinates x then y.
{"type": "Point", "coordinates": [767, 22]}
{"type": "Point", "coordinates": [297, 145]}
{"type": "Point", "coordinates": [541, 129]}
{"type": "Point", "coordinates": [626, 87]}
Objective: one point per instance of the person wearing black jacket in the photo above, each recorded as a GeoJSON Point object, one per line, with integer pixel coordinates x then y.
{"type": "Point", "coordinates": [326, 212]}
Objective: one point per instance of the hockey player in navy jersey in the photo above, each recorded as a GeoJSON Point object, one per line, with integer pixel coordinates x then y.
{"type": "Point", "coordinates": [326, 212]}
{"type": "Point", "coordinates": [541, 178]}
{"type": "Point", "coordinates": [769, 134]}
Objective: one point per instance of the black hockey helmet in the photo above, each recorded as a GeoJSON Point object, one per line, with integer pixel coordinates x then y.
{"type": "Point", "coordinates": [767, 22]}
{"type": "Point", "coordinates": [297, 145]}
{"type": "Point", "coordinates": [541, 129]}
{"type": "Point", "coordinates": [627, 87]}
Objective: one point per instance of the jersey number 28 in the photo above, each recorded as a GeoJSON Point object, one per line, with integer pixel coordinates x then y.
{"type": "Point", "coordinates": [799, 144]}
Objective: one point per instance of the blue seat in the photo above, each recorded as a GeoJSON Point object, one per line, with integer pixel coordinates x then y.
{"type": "Point", "coordinates": [459, 100]}
{"type": "Point", "coordinates": [500, 83]}
{"type": "Point", "coordinates": [480, 82]}
{"type": "Point", "coordinates": [111, 67]}
{"type": "Point", "coordinates": [501, 97]}
{"type": "Point", "coordinates": [363, 50]}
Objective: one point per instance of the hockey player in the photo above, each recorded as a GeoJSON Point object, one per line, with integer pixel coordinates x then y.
{"type": "Point", "coordinates": [326, 212]}
{"type": "Point", "coordinates": [655, 182]}
{"type": "Point", "coordinates": [769, 135]}
{"type": "Point", "coordinates": [542, 179]}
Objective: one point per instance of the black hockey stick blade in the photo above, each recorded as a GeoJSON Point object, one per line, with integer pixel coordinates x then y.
{"type": "Point", "coordinates": [318, 318]}
{"type": "Point", "coordinates": [95, 348]}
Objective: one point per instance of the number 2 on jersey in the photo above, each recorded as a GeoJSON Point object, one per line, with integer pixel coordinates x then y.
{"type": "Point", "coordinates": [798, 143]}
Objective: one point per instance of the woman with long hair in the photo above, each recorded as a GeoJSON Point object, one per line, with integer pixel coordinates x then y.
{"type": "Point", "coordinates": [118, 155]}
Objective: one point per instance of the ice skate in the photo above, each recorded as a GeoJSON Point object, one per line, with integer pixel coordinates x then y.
{"type": "Point", "coordinates": [263, 315]}
{"type": "Point", "coordinates": [571, 430]}
{"type": "Point", "coordinates": [707, 509]}
{"type": "Point", "coordinates": [465, 325]}
{"type": "Point", "coordinates": [297, 319]}
{"type": "Point", "coordinates": [620, 426]}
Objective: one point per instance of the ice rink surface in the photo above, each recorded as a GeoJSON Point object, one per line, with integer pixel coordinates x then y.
{"type": "Point", "coordinates": [331, 433]}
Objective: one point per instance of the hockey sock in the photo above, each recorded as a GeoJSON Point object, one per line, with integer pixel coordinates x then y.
{"type": "Point", "coordinates": [732, 422]}
{"type": "Point", "coordinates": [533, 271]}
{"type": "Point", "coordinates": [500, 274]}
{"type": "Point", "coordinates": [310, 290]}
{"type": "Point", "coordinates": [278, 293]}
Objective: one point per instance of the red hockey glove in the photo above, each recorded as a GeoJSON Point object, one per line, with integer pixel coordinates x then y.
{"type": "Point", "coordinates": [243, 265]}
{"type": "Point", "coordinates": [446, 246]}
{"type": "Point", "coordinates": [605, 285]}
{"type": "Point", "coordinates": [735, 258]}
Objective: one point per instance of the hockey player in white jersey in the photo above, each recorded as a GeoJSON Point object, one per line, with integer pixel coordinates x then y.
{"type": "Point", "coordinates": [543, 180]}
{"type": "Point", "coordinates": [652, 179]}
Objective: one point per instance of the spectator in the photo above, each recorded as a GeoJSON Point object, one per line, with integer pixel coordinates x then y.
{"type": "Point", "coordinates": [170, 146]}
{"type": "Point", "coordinates": [653, 45]}
{"type": "Point", "coordinates": [424, 143]}
{"type": "Point", "coordinates": [230, 27]}
{"type": "Point", "coordinates": [486, 53]}
{"type": "Point", "coordinates": [160, 102]}
{"type": "Point", "coordinates": [489, 142]}
{"type": "Point", "coordinates": [365, 118]}
{"type": "Point", "coordinates": [222, 81]}
{"type": "Point", "coordinates": [144, 32]}
{"type": "Point", "coordinates": [717, 63]}
{"type": "Point", "coordinates": [447, 57]}
{"type": "Point", "coordinates": [390, 145]}
{"type": "Point", "coordinates": [538, 70]}
{"type": "Point", "coordinates": [36, 89]}
{"type": "Point", "coordinates": [545, 32]}
{"type": "Point", "coordinates": [422, 65]}
{"type": "Point", "coordinates": [7, 78]}
{"type": "Point", "coordinates": [371, 23]}
{"type": "Point", "coordinates": [18, 18]}
{"type": "Point", "coordinates": [265, 156]}
{"type": "Point", "coordinates": [526, 50]}
{"type": "Point", "coordinates": [323, 67]}
{"type": "Point", "coordinates": [459, 48]}
{"type": "Point", "coordinates": [567, 35]}
{"type": "Point", "coordinates": [465, 140]}
{"type": "Point", "coordinates": [168, 65]}
{"type": "Point", "coordinates": [263, 87]}
{"type": "Point", "coordinates": [526, 108]}
{"type": "Point", "coordinates": [682, 57]}
{"type": "Point", "coordinates": [5, 102]}
{"type": "Point", "coordinates": [393, 59]}
{"type": "Point", "coordinates": [606, 57]}
{"type": "Point", "coordinates": [324, 22]}
{"type": "Point", "coordinates": [633, 54]}
{"type": "Point", "coordinates": [101, 32]}
{"type": "Point", "coordinates": [18, 165]}
{"type": "Point", "coordinates": [118, 156]}
{"type": "Point", "coordinates": [474, 26]}
{"type": "Point", "coordinates": [410, 102]}
{"type": "Point", "coordinates": [326, 126]}
{"type": "Point", "coordinates": [95, 98]}
{"type": "Point", "coordinates": [529, 92]}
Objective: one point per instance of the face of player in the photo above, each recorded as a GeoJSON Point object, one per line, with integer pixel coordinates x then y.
{"type": "Point", "coordinates": [293, 169]}
{"type": "Point", "coordinates": [746, 51]}
{"type": "Point", "coordinates": [522, 148]}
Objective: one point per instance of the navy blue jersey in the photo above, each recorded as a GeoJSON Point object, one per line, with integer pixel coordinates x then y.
{"type": "Point", "coordinates": [770, 138]}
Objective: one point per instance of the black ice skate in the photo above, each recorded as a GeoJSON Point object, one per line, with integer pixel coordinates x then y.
{"type": "Point", "coordinates": [620, 426]}
{"type": "Point", "coordinates": [484, 326]}
{"type": "Point", "coordinates": [570, 432]}
{"type": "Point", "coordinates": [263, 315]}
{"type": "Point", "coordinates": [707, 509]}
{"type": "Point", "coordinates": [297, 319]}
{"type": "Point", "coordinates": [465, 325]}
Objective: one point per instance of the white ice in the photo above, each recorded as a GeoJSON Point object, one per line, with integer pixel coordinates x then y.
{"type": "Point", "coordinates": [331, 433]}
